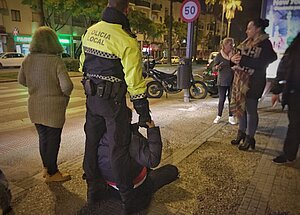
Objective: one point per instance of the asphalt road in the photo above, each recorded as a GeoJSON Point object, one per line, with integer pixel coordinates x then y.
{"type": "Point", "coordinates": [18, 138]}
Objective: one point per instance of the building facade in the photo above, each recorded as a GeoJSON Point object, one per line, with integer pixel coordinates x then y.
{"type": "Point", "coordinates": [18, 22]}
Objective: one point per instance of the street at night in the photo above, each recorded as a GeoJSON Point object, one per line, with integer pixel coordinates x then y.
{"type": "Point", "coordinates": [200, 149]}
{"type": "Point", "coordinates": [211, 88]}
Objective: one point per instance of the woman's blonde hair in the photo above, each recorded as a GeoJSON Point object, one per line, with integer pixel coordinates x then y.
{"type": "Point", "coordinates": [226, 41]}
{"type": "Point", "coordinates": [45, 41]}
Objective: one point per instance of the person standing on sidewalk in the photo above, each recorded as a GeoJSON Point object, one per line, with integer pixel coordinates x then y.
{"type": "Point", "coordinates": [145, 153]}
{"type": "Point", "coordinates": [255, 54]}
{"type": "Point", "coordinates": [49, 87]}
{"type": "Point", "coordinates": [287, 82]}
{"type": "Point", "coordinates": [225, 77]}
{"type": "Point", "coordinates": [111, 62]}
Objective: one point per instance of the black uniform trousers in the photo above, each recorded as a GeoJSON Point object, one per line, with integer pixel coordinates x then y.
{"type": "Point", "coordinates": [292, 140]}
{"type": "Point", "coordinates": [104, 115]}
{"type": "Point", "coordinates": [49, 143]}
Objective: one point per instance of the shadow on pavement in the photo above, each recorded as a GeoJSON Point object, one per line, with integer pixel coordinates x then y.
{"type": "Point", "coordinates": [63, 199]}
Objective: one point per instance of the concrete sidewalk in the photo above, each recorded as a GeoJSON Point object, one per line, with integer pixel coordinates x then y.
{"type": "Point", "coordinates": [272, 189]}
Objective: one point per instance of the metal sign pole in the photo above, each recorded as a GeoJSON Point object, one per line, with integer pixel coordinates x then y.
{"type": "Point", "coordinates": [189, 50]}
{"type": "Point", "coordinates": [190, 10]}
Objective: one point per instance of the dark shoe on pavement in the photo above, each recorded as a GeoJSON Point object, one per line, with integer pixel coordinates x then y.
{"type": "Point", "coordinates": [281, 159]}
{"type": "Point", "coordinates": [240, 137]}
{"type": "Point", "coordinates": [248, 143]}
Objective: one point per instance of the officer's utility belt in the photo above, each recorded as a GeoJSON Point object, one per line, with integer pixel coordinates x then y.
{"type": "Point", "coordinates": [105, 89]}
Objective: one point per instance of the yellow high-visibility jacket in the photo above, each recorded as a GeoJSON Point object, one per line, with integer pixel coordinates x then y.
{"type": "Point", "coordinates": [109, 50]}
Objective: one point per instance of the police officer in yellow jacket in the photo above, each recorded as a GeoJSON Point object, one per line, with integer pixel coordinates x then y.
{"type": "Point", "coordinates": [112, 65]}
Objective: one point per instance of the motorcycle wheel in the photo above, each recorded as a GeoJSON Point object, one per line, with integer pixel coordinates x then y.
{"type": "Point", "coordinates": [198, 90]}
{"type": "Point", "coordinates": [154, 89]}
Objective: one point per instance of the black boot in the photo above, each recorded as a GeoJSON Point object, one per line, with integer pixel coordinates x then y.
{"type": "Point", "coordinates": [249, 142]}
{"type": "Point", "coordinates": [240, 136]}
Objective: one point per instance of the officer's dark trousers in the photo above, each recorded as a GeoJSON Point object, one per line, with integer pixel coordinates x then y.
{"type": "Point", "coordinates": [292, 141]}
{"type": "Point", "coordinates": [49, 143]}
{"type": "Point", "coordinates": [103, 115]}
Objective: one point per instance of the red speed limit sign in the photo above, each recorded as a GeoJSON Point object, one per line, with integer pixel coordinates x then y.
{"type": "Point", "coordinates": [190, 10]}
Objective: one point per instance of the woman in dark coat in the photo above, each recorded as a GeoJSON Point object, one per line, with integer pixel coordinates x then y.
{"type": "Point", "coordinates": [254, 56]}
{"type": "Point", "coordinates": [287, 82]}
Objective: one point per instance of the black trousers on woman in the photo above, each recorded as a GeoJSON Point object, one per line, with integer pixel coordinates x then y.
{"type": "Point", "coordinates": [49, 143]}
{"type": "Point", "coordinates": [223, 91]}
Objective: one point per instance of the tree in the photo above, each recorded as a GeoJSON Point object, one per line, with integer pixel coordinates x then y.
{"type": "Point", "coordinates": [231, 7]}
{"type": "Point", "coordinates": [56, 13]}
{"type": "Point", "coordinates": [170, 31]}
{"type": "Point", "coordinates": [139, 22]}
{"type": "Point", "coordinates": [156, 30]}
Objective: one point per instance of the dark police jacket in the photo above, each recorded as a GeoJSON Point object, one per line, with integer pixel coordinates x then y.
{"type": "Point", "coordinates": [144, 153]}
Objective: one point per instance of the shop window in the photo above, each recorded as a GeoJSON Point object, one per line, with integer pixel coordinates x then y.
{"type": "Point", "coordinates": [15, 15]}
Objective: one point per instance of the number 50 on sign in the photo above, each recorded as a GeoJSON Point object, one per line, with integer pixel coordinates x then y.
{"type": "Point", "coordinates": [190, 10]}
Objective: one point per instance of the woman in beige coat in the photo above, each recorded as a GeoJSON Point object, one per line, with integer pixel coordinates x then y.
{"type": "Point", "coordinates": [49, 87]}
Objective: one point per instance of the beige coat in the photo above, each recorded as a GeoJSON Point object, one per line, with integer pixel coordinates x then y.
{"type": "Point", "coordinates": [49, 88]}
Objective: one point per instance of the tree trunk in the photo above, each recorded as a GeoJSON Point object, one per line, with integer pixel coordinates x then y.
{"type": "Point", "coordinates": [42, 15]}
{"type": "Point", "coordinates": [222, 24]}
{"type": "Point", "coordinates": [170, 32]}
{"type": "Point", "coordinates": [196, 39]}
{"type": "Point", "coordinates": [228, 27]}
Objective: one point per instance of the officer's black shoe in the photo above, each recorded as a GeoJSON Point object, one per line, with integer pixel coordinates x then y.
{"type": "Point", "coordinates": [96, 191]}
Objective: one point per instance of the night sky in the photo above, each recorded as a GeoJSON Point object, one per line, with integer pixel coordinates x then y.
{"type": "Point", "coordinates": [251, 10]}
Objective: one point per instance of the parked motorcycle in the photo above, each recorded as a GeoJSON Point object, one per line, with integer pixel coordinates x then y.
{"type": "Point", "coordinates": [210, 77]}
{"type": "Point", "coordinates": [168, 83]}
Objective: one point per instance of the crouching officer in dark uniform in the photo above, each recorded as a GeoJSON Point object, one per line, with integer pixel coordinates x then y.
{"type": "Point", "coordinates": [112, 65]}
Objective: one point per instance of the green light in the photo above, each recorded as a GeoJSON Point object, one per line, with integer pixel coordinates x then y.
{"type": "Point", "coordinates": [63, 39]}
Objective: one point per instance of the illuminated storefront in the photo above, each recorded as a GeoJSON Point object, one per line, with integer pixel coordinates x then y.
{"type": "Point", "coordinates": [284, 20]}
{"type": "Point", "coordinates": [22, 43]}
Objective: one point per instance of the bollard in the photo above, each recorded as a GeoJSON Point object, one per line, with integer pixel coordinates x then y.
{"type": "Point", "coordinates": [184, 73]}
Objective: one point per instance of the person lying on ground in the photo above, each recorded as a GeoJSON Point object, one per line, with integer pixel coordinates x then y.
{"type": "Point", "coordinates": [145, 154]}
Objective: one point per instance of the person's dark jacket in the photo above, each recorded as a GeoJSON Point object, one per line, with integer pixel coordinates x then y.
{"type": "Point", "coordinates": [144, 152]}
{"type": "Point", "coordinates": [258, 78]}
{"type": "Point", "coordinates": [288, 75]}
{"type": "Point", "coordinates": [225, 76]}
{"type": "Point", "coordinates": [5, 194]}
